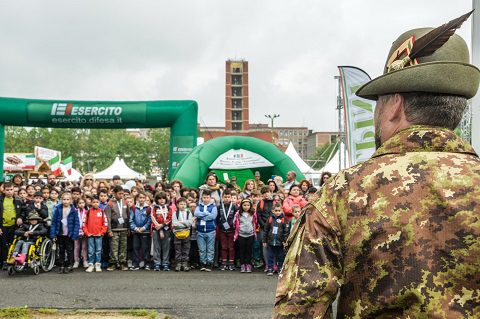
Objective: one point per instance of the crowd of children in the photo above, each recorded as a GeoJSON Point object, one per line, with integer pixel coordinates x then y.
{"type": "Point", "coordinates": [101, 225]}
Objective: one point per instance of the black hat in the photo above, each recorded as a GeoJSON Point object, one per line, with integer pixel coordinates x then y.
{"type": "Point", "coordinates": [115, 177]}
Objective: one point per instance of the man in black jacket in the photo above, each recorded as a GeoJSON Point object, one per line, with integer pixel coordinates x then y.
{"type": "Point", "coordinates": [10, 213]}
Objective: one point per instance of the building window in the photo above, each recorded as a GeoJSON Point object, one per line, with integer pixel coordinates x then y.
{"type": "Point", "coordinates": [236, 70]}
{"type": "Point", "coordinates": [236, 103]}
{"type": "Point", "coordinates": [236, 116]}
{"type": "Point", "coordinates": [236, 80]}
{"type": "Point", "coordinates": [236, 91]}
{"type": "Point", "coordinates": [236, 126]}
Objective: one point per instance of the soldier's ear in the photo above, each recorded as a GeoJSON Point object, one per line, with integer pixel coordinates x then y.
{"type": "Point", "coordinates": [395, 113]}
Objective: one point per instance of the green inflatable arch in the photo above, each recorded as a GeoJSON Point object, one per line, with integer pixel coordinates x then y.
{"type": "Point", "coordinates": [194, 167]}
{"type": "Point", "coordinates": [180, 116]}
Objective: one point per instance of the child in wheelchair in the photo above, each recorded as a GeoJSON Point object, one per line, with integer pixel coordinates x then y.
{"type": "Point", "coordinates": [28, 233]}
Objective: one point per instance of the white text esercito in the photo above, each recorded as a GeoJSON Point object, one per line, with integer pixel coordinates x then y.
{"type": "Point", "coordinates": [95, 110]}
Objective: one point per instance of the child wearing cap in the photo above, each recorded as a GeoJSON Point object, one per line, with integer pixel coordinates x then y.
{"type": "Point", "coordinates": [245, 222]}
{"type": "Point", "coordinates": [29, 233]}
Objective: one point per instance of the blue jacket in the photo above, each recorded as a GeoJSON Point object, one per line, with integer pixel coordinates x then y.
{"type": "Point", "coordinates": [140, 217]}
{"type": "Point", "coordinates": [206, 217]}
{"type": "Point", "coordinates": [73, 222]}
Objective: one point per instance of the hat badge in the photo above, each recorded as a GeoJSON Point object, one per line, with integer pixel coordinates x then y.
{"type": "Point", "coordinates": [424, 46]}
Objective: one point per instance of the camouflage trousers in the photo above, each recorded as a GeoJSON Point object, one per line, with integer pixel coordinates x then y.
{"type": "Point", "coordinates": [118, 247]}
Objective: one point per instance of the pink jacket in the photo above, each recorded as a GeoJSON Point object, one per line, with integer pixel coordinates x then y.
{"type": "Point", "coordinates": [236, 223]}
{"type": "Point", "coordinates": [289, 202]}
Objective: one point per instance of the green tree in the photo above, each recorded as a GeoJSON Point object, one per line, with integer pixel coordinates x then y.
{"type": "Point", "coordinates": [95, 150]}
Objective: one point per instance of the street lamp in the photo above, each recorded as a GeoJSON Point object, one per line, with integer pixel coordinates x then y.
{"type": "Point", "coordinates": [272, 117]}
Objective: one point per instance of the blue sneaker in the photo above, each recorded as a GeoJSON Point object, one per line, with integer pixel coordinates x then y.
{"type": "Point", "coordinates": [156, 268]}
{"type": "Point", "coordinates": [166, 268]}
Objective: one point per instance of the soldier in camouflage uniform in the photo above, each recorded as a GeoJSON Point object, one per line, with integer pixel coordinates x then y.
{"type": "Point", "coordinates": [398, 235]}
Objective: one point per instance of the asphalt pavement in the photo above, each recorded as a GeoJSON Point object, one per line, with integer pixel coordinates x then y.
{"type": "Point", "coordinates": [195, 294]}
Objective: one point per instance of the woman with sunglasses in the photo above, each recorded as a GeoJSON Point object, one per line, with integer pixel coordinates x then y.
{"type": "Point", "coordinates": [87, 183]}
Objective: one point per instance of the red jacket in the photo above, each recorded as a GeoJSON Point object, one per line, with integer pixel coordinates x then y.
{"type": "Point", "coordinates": [95, 222]}
{"type": "Point", "coordinates": [162, 215]}
{"type": "Point", "coordinates": [289, 202]}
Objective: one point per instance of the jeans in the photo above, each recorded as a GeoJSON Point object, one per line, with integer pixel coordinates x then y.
{"type": "Point", "coordinates": [22, 247]}
{"type": "Point", "coordinates": [206, 247]}
{"type": "Point", "coordinates": [275, 252]}
{"type": "Point", "coordinates": [94, 249]}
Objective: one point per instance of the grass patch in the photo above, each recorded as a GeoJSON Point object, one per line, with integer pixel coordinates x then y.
{"type": "Point", "coordinates": [15, 313]}
{"type": "Point", "coordinates": [141, 313]}
{"type": "Point", "coordinates": [47, 311]}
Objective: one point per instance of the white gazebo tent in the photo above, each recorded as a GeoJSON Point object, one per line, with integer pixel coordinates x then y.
{"type": "Point", "coordinates": [119, 168]}
{"type": "Point", "coordinates": [333, 163]}
{"type": "Point", "coordinates": [75, 176]}
{"type": "Point", "coordinates": [302, 166]}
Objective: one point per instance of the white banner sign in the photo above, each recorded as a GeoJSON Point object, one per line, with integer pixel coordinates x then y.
{"type": "Point", "coordinates": [240, 159]}
{"type": "Point", "coordinates": [18, 162]}
{"type": "Point", "coordinates": [359, 126]}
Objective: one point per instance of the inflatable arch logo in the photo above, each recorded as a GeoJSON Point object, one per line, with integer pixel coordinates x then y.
{"type": "Point", "coordinates": [180, 116]}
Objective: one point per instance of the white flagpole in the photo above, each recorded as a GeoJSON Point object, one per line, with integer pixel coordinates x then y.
{"type": "Point", "coordinates": [475, 102]}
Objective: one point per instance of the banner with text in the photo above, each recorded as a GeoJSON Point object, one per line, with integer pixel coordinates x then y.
{"type": "Point", "coordinates": [359, 126]}
{"type": "Point", "coordinates": [18, 162]}
{"type": "Point", "coordinates": [240, 159]}
{"type": "Point", "coordinates": [86, 113]}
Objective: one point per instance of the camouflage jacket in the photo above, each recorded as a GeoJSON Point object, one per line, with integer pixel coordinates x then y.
{"type": "Point", "coordinates": [399, 235]}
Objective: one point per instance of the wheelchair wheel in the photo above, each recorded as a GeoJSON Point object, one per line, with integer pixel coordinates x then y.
{"type": "Point", "coordinates": [10, 270]}
{"type": "Point", "coordinates": [18, 267]}
{"type": "Point", "coordinates": [47, 255]}
{"type": "Point", "coordinates": [36, 269]}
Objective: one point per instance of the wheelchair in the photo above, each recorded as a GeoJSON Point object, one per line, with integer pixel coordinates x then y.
{"type": "Point", "coordinates": [41, 255]}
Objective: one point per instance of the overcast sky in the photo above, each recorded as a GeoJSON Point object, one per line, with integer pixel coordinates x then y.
{"type": "Point", "coordinates": [156, 50]}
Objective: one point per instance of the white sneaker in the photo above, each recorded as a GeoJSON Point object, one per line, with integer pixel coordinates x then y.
{"type": "Point", "coordinates": [90, 268]}
{"type": "Point", "coordinates": [98, 267]}
{"type": "Point", "coordinates": [85, 264]}
{"type": "Point", "coordinates": [75, 265]}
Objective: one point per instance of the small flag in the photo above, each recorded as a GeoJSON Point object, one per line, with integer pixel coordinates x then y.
{"type": "Point", "coordinates": [68, 165]}
{"type": "Point", "coordinates": [54, 164]}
